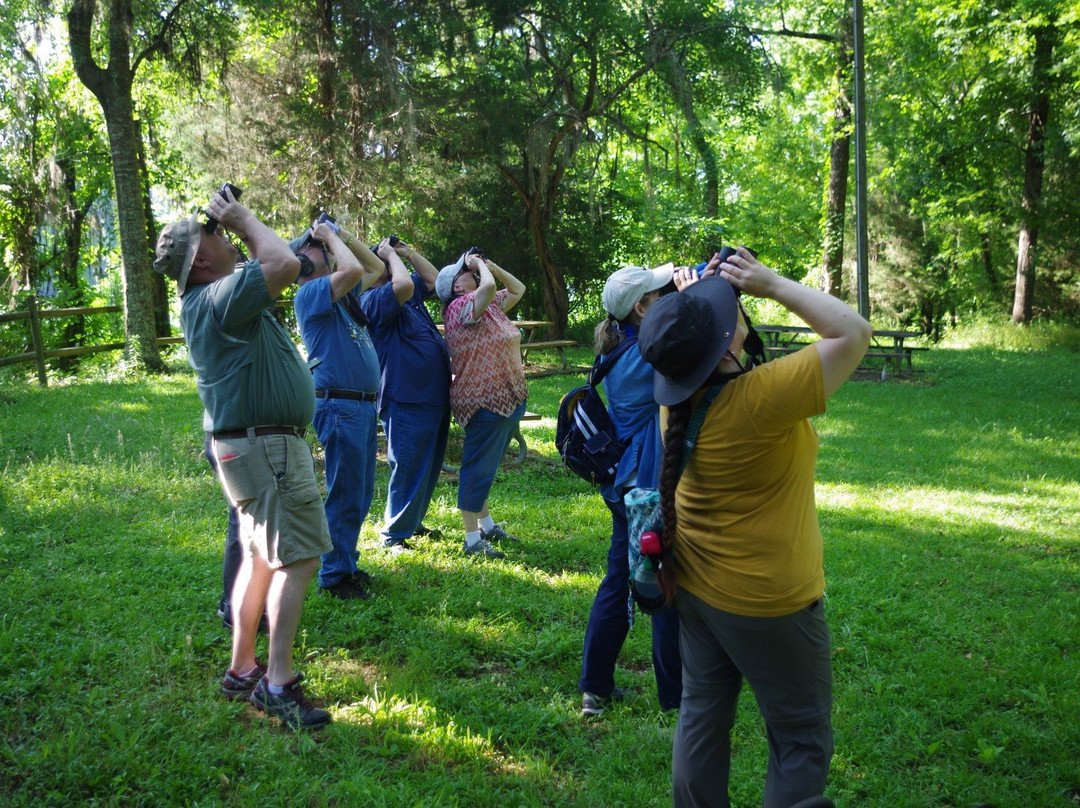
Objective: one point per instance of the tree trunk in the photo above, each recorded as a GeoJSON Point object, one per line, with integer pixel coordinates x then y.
{"type": "Point", "coordinates": [832, 266]}
{"type": "Point", "coordinates": [159, 288]}
{"type": "Point", "coordinates": [140, 332]}
{"type": "Point", "coordinates": [112, 88]}
{"type": "Point", "coordinates": [1034, 165]}
{"type": "Point", "coordinates": [556, 301]}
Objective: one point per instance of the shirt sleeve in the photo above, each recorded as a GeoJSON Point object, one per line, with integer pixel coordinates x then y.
{"type": "Point", "coordinates": [783, 392]}
{"type": "Point", "coordinates": [380, 304]}
{"type": "Point", "coordinates": [314, 299]}
{"type": "Point", "coordinates": [239, 298]}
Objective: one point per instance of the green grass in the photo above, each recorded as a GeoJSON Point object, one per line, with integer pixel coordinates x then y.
{"type": "Point", "coordinates": [951, 511]}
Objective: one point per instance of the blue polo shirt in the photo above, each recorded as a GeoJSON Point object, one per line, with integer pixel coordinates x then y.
{"type": "Point", "coordinates": [349, 361]}
{"type": "Point", "coordinates": [413, 356]}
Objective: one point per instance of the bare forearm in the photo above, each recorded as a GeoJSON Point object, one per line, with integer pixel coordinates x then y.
{"type": "Point", "coordinates": [512, 284]}
{"type": "Point", "coordinates": [279, 265]}
{"type": "Point", "coordinates": [828, 316]}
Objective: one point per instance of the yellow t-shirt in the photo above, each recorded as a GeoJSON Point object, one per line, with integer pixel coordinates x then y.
{"type": "Point", "coordinates": [748, 540]}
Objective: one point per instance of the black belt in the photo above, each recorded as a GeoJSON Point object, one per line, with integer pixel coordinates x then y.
{"type": "Point", "coordinates": [332, 392]}
{"type": "Point", "coordinates": [229, 434]}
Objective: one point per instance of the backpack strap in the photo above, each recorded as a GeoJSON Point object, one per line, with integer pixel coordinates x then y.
{"type": "Point", "coordinates": [696, 420]}
{"type": "Point", "coordinates": [604, 363]}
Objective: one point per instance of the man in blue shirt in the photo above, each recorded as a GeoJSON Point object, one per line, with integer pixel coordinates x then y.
{"type": "Point", "coordinates": [346, 371]}
{"type": "Point", "coordinates": [257, 398]}
{"type": "Point", "coordinates": [414, 397]}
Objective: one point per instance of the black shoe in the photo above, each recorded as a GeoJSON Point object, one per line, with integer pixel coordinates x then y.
{"type": "Point", "coordinates": [362, 578]}
{"type": "Point", "coordinates": [294, 710]}
{"type": "Point", "coordinates": [398, 547]}
{"type": "Point", "coordinates": [593, 705]}
{"type": "Point", "coordinates": [225, 613]}
{"type": "Point", "coordinates": [423, 531]}
{"type": "Point", "coordinates": [347, 589]}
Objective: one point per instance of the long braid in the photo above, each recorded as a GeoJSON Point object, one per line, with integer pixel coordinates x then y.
{"type": "Point", "coordinates": [674, 437]}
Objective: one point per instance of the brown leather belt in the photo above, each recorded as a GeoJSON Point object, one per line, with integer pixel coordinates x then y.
{"type": "Point", "coordinates": [332, 392]}
{"type": "Point", "coordinates": [229, 434]}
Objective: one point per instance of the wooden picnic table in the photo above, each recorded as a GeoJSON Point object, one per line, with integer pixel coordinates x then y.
{"type": "Point", "coordinates": [529, 342]}
{"type": "Point", "coordinates": [892, 346]}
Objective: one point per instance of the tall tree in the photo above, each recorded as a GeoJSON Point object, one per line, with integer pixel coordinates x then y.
{"type": "Point", "coordinates": [182, 31]}
{"type": "Point", "coordinates": [1045, 38]}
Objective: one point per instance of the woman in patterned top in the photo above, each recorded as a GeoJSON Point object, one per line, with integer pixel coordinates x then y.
{"type": "Point", "coordinates": [488, 392]}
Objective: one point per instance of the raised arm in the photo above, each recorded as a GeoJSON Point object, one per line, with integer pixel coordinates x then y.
{"type": "Point", "coordinates": [424, 268]}
{"type": "Point", "coordinates": [485, 289]}
{"type": "Point", "coordinates": [400, 278]}
{"type": "Point", "coordinates": [349, 271]}
{"type": "Point", "coordinates": [279, 266]}
{"type": "Point", "coordinates": [372, 265]}
{"type": "Point", "coordinates": [514, 287]}
{"type": "Point", "coordinates": [844, 334]}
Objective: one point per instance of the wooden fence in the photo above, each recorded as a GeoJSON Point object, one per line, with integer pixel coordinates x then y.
{"type": "Point", "coordinates": [39, 354]}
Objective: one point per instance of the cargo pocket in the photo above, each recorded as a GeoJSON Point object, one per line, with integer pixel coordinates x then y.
{"type": "Point", "coordinates": [300, 496]}
{"type": "Point", "coordinates": [244, 470]}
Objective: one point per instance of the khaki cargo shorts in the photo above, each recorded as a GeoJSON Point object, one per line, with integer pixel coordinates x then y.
{"type": "Point", "coordinates": [271, 481]}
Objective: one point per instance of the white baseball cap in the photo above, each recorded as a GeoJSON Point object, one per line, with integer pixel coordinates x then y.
{"type": "Point", "coordinates": [628, 285]}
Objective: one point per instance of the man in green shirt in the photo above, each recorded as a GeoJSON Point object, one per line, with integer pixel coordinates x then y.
{"type": "Point", "coordinates": [258, 398]}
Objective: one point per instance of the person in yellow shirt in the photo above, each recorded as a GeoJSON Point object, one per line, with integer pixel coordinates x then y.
{"type": "Point", "coordinates": [741, 528]}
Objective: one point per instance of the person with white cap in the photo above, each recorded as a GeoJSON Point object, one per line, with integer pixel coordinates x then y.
{"type": "Point", "coordinates": [743, 550]}
{"type": "Point", "coordinates": [258, 398]}
{"type": "Point", "coordinates": [628, 386]}
{"type": "Point", "coordinates": [487, 395]}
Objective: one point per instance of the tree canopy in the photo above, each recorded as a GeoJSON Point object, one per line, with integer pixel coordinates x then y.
{"type": "Point", "coordinates": [565, 139]}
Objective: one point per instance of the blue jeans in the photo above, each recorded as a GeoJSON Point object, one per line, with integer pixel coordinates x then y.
{"type": "Point", "coordinates": [415, 445]}
{"type": "Point", "coordinates": [234, 554]}
{"type": "Point", "coordinates": [609, 622]}
{"type": "Point", "coordinates": [486, 437]}
{"type": "Point", "coordinates": [788, 664]}
{"type": "Point", "coordinates": [346, 430]}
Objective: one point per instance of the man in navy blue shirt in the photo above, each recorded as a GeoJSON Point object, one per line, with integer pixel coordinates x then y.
{"type": "Point", "coordinates": [346, 371]}
{"type": "Point", "coordinates": [414, 398]}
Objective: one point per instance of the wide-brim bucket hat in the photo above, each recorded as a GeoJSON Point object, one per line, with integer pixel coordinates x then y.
{"type": "Point", "coordinates": [685, 335]}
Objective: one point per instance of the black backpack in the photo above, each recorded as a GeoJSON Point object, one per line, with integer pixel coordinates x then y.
{"type": "Point", "coordinates": [584, 433]}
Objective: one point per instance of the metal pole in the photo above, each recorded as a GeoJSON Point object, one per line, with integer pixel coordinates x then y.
{"type": "Point", "coordinates": [862, 247]}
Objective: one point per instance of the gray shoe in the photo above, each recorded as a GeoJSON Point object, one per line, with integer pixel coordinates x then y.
{"type": "Point", "coordinates": [497, 534]}
{"type": "Point", "coordinates": [292, 707]}
{"type": "Point", "coordinates": [593, 705]}
{"type": "Point", "coordinates": [483, 547]}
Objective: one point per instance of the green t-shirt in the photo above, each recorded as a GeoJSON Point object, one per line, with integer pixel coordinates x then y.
{"type": "Point", "coordinates": [748, 540]}
{"type": "Point", "coordinates": [247, 368]}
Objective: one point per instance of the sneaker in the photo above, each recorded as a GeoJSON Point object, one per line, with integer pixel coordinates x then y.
{"type": "Point", "coordinates": [497, 533]}
{"type": "Point", "coordinates": [482, 547]}
{"type": "Point", "coordinates": [292, 707]}
{"type": "Point", "coordinates": [347, 589]}
{"type": "Point", "coordinates": [234, 686]}
{"type": "Point", "coordinates": [396, 548]}
{"type": "Point", "coordinates": [593, 705]}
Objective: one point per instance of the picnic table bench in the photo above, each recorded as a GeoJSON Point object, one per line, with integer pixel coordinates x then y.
{"type": "Point", "coordinates": [529, 330]}
{"type": "Point", "coordinates": [891, 346]}
{"type": "Point", "coordinates": [523, 449]}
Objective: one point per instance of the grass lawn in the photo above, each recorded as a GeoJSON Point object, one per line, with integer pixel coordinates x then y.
{"type": "Point", "coordinates": [950, 505]}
